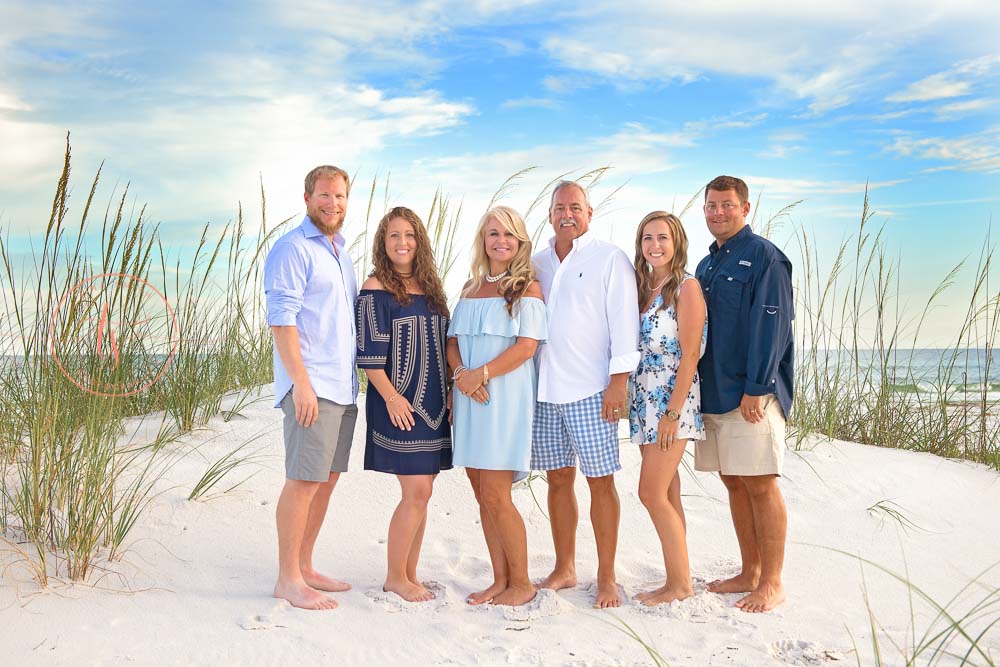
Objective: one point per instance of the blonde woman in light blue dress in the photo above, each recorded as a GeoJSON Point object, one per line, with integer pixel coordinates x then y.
{"type": "Point", "coordinates": [664, 391]}
{"type": "Point", "coordinates": [495, 329]}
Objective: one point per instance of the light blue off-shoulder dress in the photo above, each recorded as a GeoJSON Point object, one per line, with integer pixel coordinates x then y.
{"type": "Point", "coordinates": [496, 436]}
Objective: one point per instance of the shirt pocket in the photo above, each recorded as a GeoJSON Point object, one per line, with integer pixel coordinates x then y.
{"type": "Point", "coordinates": [730, 289]}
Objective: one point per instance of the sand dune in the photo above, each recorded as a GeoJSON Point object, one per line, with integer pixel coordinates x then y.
{"type": "Point", "coordinates": [194, 584]}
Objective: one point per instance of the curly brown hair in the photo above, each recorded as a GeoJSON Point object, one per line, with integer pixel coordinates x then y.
{"type": "Point", "coordinates": [425, 272]}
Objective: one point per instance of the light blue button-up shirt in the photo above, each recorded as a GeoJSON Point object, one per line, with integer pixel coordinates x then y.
{"type": "Point", "coordinates": [311, 287]}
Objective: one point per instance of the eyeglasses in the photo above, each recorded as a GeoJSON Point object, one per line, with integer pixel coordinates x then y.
{"type": "Point", "coordinates": [727, 207]}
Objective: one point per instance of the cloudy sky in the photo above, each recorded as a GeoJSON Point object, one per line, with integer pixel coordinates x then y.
{"type": "Point", "coordinates": [807, 101]}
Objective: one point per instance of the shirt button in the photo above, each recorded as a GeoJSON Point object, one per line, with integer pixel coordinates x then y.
{"type": "Point", "coordinates": [727, 251]}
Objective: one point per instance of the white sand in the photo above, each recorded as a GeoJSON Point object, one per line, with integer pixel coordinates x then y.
{"type": "Point", "coordinates": [194, 584]}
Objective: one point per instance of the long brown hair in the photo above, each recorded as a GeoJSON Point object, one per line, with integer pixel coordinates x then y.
{"type": "Point", "coordinates": [513, 285]}
{"type": "Point", "coordinates": [425, 273]}
{"type": "Point", "coordinates": [675, 270]}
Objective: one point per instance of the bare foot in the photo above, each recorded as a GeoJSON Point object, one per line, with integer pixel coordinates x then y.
{"type": "Point", "coordinates": [516, 595]}
{"type": "Point", "coordinates": [321, 582]}
{"type": "Point", "coordinates": [487, 595]}
{"type": "Point", "coordinates": [741, 583]}
{"type": "Point", "coordinates": [408, 590]}
{"type": "Point", "coordinates": [645, 595]}
{"type": "Point", "coordinates": [608, 595]}
{"type": "Point", "coordinates": [417, 582]}
{"type": "Point", "coordinates": [301, 596]}
{"type": "Point", "coordinates": [559, 579]}
{"type": "Point", "coordinates": [667, 595]}
{"type": "Point", "coordinates": [765, 598]}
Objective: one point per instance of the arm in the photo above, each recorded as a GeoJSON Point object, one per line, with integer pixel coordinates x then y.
{"type": "Point", "coordinates": [770, 330]}
{"type": "Point", "coordinates": [466, 382]}
{"type": "Point", "coordinates": [374, 324]}
{"type": "Point", "coordinates": [285, 273]}
{"type": "Point", "coordinates": [286, 341]}
{"type": "Point", "coordinates": [690, 324]}
{"type": "Point", "coordinates": [399, 409]}
{"type": "Point", "coordinates": [622, 310]}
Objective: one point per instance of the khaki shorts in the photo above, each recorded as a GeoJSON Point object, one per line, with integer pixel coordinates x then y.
{"type": "Point", "coordinates": [733, 446]}
{"type": "Point", "coordinates": [311, 454]}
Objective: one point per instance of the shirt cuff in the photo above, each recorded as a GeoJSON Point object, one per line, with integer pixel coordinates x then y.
{"type": "Point", "coordinates": [281, 319]}
{"type": "Point", "coordinates": [624, 363]}
{"type": "Point", "coordinates": [752, 389]}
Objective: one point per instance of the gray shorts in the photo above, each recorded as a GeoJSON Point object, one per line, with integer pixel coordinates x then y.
{"type": "Point", "coordinates": [311, 454]}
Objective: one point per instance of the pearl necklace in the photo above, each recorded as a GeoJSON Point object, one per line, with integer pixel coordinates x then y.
{"type": "Point", "coordinates": [660, 286]}
{"type": "Point", "coordinates": [492, 279]}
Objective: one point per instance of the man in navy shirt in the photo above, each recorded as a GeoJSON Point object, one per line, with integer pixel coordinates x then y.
{"type": "Point", "coordinates": [746, 387]}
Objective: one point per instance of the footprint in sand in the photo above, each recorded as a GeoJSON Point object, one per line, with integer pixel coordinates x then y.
{"type": "Point", "coordinates": [801, 652]}
{"type": "Point", "coordinates": [391, 602]}
{"type": "Point", "coordinates": [259, 622]}
{"type": "Point", "coordinates": [545, 603]}
{"type": "Point", "coordinates": [699, 608]}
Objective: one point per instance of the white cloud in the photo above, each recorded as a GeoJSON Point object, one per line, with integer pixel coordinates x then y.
{"type": "Point", "coordinates": [957, 81]}
{"type": "Point", "coordinates": [826, 54]}
{"type": "Point", "coordinates": [960, 109]}
{"type": "Point", "coordinates": [797, 187]}
{"type": "Point", "coordinates": [530, 103]}
{"type": "Point", "coordinates": [975, 152]}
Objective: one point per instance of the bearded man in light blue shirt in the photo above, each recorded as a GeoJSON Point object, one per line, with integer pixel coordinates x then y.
{"type": "Point", "coordinates": [310, 286]}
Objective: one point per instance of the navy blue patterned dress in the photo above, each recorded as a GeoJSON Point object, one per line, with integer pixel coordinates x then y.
{"type": "Point", "coordinates": [408, 343]}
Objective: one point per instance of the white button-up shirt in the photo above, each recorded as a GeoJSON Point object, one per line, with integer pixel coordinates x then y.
{"type": "Point", "coordinates": [593, 319]}
{"type": "Point", "coordinates": [313, 288]}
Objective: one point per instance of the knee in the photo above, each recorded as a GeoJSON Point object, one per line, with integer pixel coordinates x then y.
{"type": "Point", "coordinates": [418, 497]}
{"type": "Point", "coordinates": [732, 482]}
{"type": "Point", "coordinates": [602, 486]}
{"type": "Point", "coordinates": [651, 497]}
{"type": "Point", "coordinates": [761, 485]}
{"type": "Point", "coordinates": [495, 500]}
{"type": "Point", "coordinates": [561, 479]}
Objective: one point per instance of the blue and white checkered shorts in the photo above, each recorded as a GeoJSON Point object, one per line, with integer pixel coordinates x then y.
{"type": "Point", "coordinates": [563, 431]}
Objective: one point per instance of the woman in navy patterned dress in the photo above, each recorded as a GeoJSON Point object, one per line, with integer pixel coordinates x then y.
{"type": "Point", "coordinates": [402, 323]}
{"type": "Point", "coordinates": [664, 395]}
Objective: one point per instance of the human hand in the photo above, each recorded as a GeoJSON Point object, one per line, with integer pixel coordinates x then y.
{"type": "Point", "coordinates": [666, 432]}
{"type": "Point", "coordinates": [752, 408]}
{"type": "Point", "coordinates": [614, 405]}
{"type": "Point", "coordinates": [449, 401]}
{"type": "Point", "coordinates": [400, 412]}
{"type": "Point", "coordinates": [468, 381]}
{"type": "Point", "coordinates": [480, 395]}
{"type": "Point", "coordinates": [306, 404]}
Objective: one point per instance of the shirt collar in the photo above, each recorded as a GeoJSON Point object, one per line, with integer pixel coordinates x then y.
{"type": "Point", "coordinates": [579, 242]}
{"type": "Point", "coordinates": [309, 230]}
{"type": "Point", "coordinates": [737, 239]}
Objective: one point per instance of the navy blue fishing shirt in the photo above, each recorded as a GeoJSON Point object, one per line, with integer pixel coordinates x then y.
{"type": "Point", "coordinates": [748, 288]}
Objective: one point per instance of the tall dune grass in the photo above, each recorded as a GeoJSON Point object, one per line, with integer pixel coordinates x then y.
{"type": "Point", "coordinates": [853, 338]}
{"type": "Point", "coordinates": [77, 361]}
{"type": "Point", "coordinates": [74, 484]}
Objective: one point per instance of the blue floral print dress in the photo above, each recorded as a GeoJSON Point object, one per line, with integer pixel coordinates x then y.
{"type": "Point", "coordinates": [652, 383]}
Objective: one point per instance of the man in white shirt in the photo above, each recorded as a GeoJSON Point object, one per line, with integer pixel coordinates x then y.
{"type": "Point", "coordinates": [593, 346]}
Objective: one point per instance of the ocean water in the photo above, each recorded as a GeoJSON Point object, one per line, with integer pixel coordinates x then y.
{"type": "Point", "coordinates": [926, 370]}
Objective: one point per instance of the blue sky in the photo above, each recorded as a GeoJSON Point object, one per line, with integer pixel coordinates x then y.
{"type": "Point", "coordinates": [806, 101]}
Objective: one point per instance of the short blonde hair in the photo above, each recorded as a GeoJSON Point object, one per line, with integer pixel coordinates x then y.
{"type": "Point", "coordinates": [326, 171]}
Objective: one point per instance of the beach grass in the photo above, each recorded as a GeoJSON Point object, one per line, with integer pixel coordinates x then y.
{"type": "Point", "coordinates": [74, 485]}
{"type": "Point", "coordinates": [96, 332]}
{"type": "Point", "coordinates": [853, 339]}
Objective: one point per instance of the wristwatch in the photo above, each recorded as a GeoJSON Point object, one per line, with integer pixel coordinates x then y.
{"type": "Point", "coordinates": [673, 415]}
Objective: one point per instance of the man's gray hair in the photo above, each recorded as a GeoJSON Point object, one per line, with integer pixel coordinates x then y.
{"type": "Point", "coordinates": [567, 184]}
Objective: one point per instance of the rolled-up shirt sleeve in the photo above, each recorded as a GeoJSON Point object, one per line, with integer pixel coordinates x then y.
{"type": "Point", "coordinates": [771, 313]}
{"type": "Point", "coordinates": [622, 308]}
{"type": "Point", "coordinates": [284, 285]}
